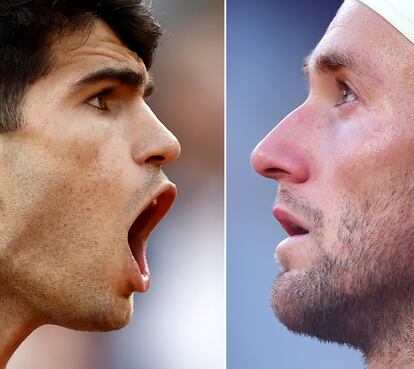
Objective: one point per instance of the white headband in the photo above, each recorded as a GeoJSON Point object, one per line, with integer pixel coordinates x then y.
{"type": "Point", "coordinates": [400, 13]}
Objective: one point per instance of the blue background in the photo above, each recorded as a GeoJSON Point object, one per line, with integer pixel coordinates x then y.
{"type": "Point", "coordinates": [266, 44]}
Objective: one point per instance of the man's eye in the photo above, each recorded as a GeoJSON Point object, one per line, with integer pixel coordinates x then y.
{"type": "Point", "coordinates": [98, 101]}
{"type": "Point", "coordinates": [347, 93]}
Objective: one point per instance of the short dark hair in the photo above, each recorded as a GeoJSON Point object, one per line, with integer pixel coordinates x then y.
{"type": "Point", "coordinates": [28, 29]}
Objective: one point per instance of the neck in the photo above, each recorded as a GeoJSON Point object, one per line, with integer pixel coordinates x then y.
{"type": "Point", "coordinates": [403, 359]}
{"type": "Point", "coordinates": [16, 323]}
{"type": "Point", "coordinates": [395, 348]}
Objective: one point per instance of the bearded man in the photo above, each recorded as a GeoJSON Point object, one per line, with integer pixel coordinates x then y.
{"type": "Point", "coordinates": [344, 161]}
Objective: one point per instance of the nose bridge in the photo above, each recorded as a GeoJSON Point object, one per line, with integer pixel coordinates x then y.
{"type": "Point", "coordinates": [281, 154]}
{"type": "Point", "coordinates": [154, 143]}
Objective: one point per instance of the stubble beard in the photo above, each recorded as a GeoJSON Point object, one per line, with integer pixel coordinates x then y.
{"type": "Point", "coordinates": [364, 295]}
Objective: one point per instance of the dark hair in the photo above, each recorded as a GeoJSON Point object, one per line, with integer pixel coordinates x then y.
{"type": "Point", "coordinates": [28, 29]}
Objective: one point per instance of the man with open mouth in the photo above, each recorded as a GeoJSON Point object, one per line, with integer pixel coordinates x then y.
{"type": "Point", "coordinates": [344, 161]}
{"type": "Point", "coordinates": [82, 185]}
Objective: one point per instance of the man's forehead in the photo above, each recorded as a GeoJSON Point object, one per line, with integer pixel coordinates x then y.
{"type": "Point", "coordinates": [358, 34]}
{"type": "Point", "coordinates": [79, 50]}
{"type": "Point", "coordinates": [358, 19]}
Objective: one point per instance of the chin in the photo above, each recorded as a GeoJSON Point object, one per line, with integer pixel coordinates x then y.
{"type": "Point", "coordinates": [96, 316]}
{"type": "Point", "coordinates": [113, 321]}
{"type": "Point", "coordinates": [312, 304]}
{"type": "Point", "coordinates": [114, 317]}
{"type": "Point", "coordinates": [285, 302]}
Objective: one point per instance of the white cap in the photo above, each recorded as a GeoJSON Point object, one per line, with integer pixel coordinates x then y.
{"type": "Point", "coordinates": [400, 13]}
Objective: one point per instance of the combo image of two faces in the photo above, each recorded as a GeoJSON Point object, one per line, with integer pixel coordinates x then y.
{"type": "Point", "coordinates": [206, 184]}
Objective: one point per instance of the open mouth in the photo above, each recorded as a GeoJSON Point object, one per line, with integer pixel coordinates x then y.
{"type": "Point", "coordinates": [289, 224]}
{"type": "Point", "coordinates": [294, 229]}
{"type": "Point", "coordinates": [145, 223]}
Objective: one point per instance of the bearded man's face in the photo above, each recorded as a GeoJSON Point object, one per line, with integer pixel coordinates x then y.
{"type": "Point", "coordinates": [344, 161]}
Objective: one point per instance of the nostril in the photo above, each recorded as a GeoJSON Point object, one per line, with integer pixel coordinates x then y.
{"type": "Point", "coordinates": [155, 159]}
{"type": "Point", "coordinates": [276, 173]}
{"type": "Point", "coordinates": [273, 171]}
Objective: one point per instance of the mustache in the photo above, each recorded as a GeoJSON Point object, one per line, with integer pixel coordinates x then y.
{"type": "Point", "coordinates": [154, 180]}
{"type": "Point", "coordinates": [301, 205]}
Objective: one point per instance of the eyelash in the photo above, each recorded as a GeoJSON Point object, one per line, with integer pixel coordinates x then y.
{"type": "Point", "coordinates": [100, 95]}
{"type": "Point", "coordinates": [346, 91]}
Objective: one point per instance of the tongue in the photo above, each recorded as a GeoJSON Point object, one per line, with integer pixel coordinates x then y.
{"type": "Point", "coordinates": [139, 248]}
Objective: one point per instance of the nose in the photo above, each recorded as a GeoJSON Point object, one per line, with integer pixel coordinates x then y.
{"type": "Point", "coordinates": [281, 155]}
{"type": "Point", "coordinates": [155, 144]}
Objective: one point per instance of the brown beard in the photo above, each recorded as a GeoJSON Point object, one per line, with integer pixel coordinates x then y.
{"type": "Point", "coordinates": [363, 296]}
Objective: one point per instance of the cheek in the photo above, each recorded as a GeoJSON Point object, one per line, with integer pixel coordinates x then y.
{"type": "Point", "coordinates": [65, 180]}
{"type": "Point", "coordinates": [361, 164]}
{"type": "Point", "coordinates": [363, 155]}
{"type": "Point", "coordinates": [93, 165]}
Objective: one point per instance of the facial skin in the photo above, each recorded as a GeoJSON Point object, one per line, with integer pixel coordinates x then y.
{"type": "Point", "coordinates": [344, 161]}
{"type": "Point", "coordinates": [73, 181]}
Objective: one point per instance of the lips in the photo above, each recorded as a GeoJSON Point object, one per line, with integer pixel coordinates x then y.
{"type": "Point", "coordinates": [151, 215]}
{"type": "Point", "coordinates": [289, 223]}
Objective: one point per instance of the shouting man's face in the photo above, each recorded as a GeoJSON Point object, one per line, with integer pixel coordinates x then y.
{"type": "Point", "coordinates": [344, 161]}
{"type": "Point", "coordinates": [82, 186]}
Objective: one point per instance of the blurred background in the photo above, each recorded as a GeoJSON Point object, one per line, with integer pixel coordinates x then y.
{"type": "Point", "coordinates": [267, 41]}
{"type": "Point", "coordinates": [180, 322]}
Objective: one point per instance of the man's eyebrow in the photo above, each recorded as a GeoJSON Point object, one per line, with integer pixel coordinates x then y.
{"type": "Point", "coordinates": [125, 76]}
{"type": "Point", "coordinates": [333, 61]}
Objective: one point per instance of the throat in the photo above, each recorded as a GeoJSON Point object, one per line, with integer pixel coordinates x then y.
{"type": "Point", "coordinates": [16, 324]}
{"type": "Point", "coordinates": [393, 349]}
